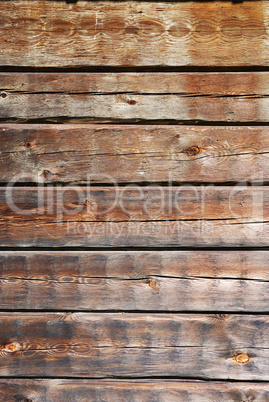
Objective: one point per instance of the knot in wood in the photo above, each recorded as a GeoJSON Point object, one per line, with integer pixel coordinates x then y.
{"type": "Point", "coordinates": [152, 284]}
{"type": "Point", "coordinates": [192, 150]}
{"type": "Point", "coordinates": [12, 347]}
{"type": "Point", "coordinates": [242, 358]}
{"type": "Point", "coordinates": [131, 102]}
{"type": "Point", "coordinates": [47, 174]}
{"type": "Point", "coordinates": [87, 202]}
{"type": "Point", "coordinates": [3, 95]}
{"type": "Point", "coordinates": [222, 316]}
{"type": "Point", "coordinates": [28, 145]}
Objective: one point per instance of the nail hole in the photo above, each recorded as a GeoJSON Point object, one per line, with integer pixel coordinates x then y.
{"type": "Point", "coordinates": [192, 151]}
{"type": "Point", "coordinates": [3, 95]}
{"type": "Point", "coordinates": [131, 102]}
{"type": "Point", "coordinates": [87, 202]}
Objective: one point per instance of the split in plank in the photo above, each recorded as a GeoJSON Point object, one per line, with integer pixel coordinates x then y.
{"type": "Point", "coordinates": [48, 390]}
{"type": "Point", "coordinates": [156, 281]}
{"type": "Point", "coordinates": [182, 97]}
{"type": "Point", "coordinates": [134, 345]}
{"type": "Point", "coordinates": [121, 154]}
{"type": "Point", "coordinates": [134, 33]}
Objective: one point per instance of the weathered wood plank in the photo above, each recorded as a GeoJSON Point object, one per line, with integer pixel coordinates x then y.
{"type": "Point", "coordinates": [47, 204]}
{"type": "Point", "coordinates": [133, 216]}
{"type": "Point", "coordinates": [195, 234]}
{"type": "Point", "coordinates": [36, 33]}
{"type": "Point", "coordinates": [99, 345]}
{"type": "Point", "coordinates": [161, 83]}
{"type": "Point", "coordinates": [231, 97]}
{"type": "Point", "coordinates": [136, 390]}
{"type": "Point", "coordinates": [156, 281]}
{"type": "Point", "coordinates": [136, 264]}
{"type": "Point", "coordinates": [109, 153]}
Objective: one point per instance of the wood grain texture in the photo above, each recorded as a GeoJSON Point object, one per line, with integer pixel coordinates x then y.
{"type": "Point", "coordinates": [118, 153]}
{"type": "Point", "coordinates": [130, 390]}
{"type": "Point", "coordinates": [252, 265]}
{"type": "Point", "coordinates": [184, 83]}
{"type": "Point", "coordinates": [134, 345]}
{"type": "Point", "coordinates": [37, 33]}
{"type": "Point", "coordinates": [202, 97]}
{"type": "Point", "coordinates": [157, 281]}
{"type": "Point", "coordinates": [133, 216]}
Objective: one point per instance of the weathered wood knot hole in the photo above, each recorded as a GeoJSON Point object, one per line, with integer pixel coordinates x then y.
{"type": "Point", "coordinates": [222, 316]}
{"type": "Point", "coordinates": [152, 284]}
{"type": "Point", "coordinates": [47, 174]}
{"type": "Point", "coordinates": [12, 347]}
{"type": "Point", "coordinates": [3, 95]}
{"type": "Point", "coordinates": [192, 150]}
{"type": "Point", "coordinates": [28, 145]}
{"type": "Point", "coordinates": [131, 102]}
{"type": "Point", "coordinates": [241, 358]}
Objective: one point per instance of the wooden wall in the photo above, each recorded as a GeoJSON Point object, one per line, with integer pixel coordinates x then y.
{"type": "Point", "coordinates": [134, 206]}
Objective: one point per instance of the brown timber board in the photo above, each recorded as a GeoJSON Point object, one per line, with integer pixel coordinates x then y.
{"type": "Point", "coordinates": [130, 33]}
{"type": "Point", "coordinates": [200, 97]}
{"type": "Point", "coordinates": [131, 345]}
{"type": "Point", "coordinates": [70, 320]}
{"type": "Point", "coordinates": [70, 390]}
{"type": "Point", "coordinates": [133, 216]}
{"type": "Point", "coordinates": [122, 153]}
{"type": "Point", "coordinates": [156, 281]}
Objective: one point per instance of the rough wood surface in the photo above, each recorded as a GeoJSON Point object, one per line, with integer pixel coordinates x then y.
{"type": "Point", "coordinates": [157, 281]}
{"type": "Point", "coordinates": [228, 97]}
{"type": "Point", "coordinates": [130, 390]}
{"type": "Point", "coordinates": [215, 233]}
{"type": "Point", "coordinates": [166, 83]}
{"type": "Point", "coordinates": [36, 33]}
{"type": "Point", "coordinates": [249, 265]}
{"type": "Point", "coordinates": [102, 314]}
{"type": "Point", "coordinates": [130, 203]}
{"type": "Point", "coordinates": [125, 345]}
{"type": "Point", "coordinates": [108, 153]}
{"type": "Point", "coordinates": [133, 216]}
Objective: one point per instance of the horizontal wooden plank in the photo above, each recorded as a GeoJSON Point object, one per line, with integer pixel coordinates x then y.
{"type": "Point", "coordinates": [252, 265]}
{"type": "Point", "coordinates": [161, 83]}
{"type": "Point", "coordinates": [168, 234]}
{"type": "Point", "coordinates": [124, 390]}
{"type": "Point", "coordinates": [134, 216]}
{"type": "Point", "coordinates": [47, 204]}
{"type": "Point", "coordinates": [156, 281]}
{"type": "Point", "coordinates": [109, 153]}
{"type": "Point", "coordinates": [101, 345]}
{"type": "Point", "coordinates": [133, 34]}
{"type": "Point", "coordinates": [230, 97]}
